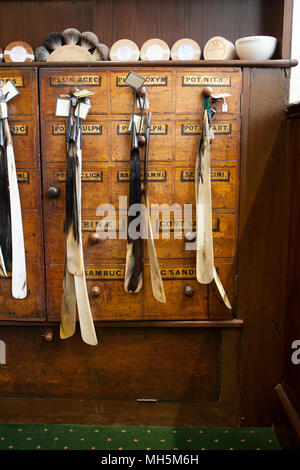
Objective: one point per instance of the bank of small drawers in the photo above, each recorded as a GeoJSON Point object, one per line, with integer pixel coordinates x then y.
{"type": "Point", "coordinates": [175, 103]}
{"type": "Point", "coordinates": [24, 119]}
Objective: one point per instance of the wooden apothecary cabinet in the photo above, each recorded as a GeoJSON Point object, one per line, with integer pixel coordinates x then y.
{"type": "Point", "coordinates": [198, 362]}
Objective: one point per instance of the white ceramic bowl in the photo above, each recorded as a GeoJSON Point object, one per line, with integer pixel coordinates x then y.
{"type": "Point", "coordinates": [256, 47]}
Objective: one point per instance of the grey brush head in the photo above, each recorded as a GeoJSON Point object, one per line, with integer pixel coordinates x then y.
{"type": "Point", "coordinates": [101, 52]}
{"type": "Point", "coordinates": [41, 54]}
{"type": "Point", "coordinates": [89, 40]}
{"type": "Point", "coordinates": [71, 36]}
{"type": "Point", "coordinates": [53, 41]}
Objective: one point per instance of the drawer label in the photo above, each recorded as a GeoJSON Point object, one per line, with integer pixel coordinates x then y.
{"type": "Point", "coordinates": [176, 273]}
{"type": "Point", "coordinates": [152, 80]}
{"type": "Point", "coordinates": [216, 175]}
{"type": "Point", "coordinates": [86, 176]}
{"type": "Point", "coordinates": [79, 80]}
{"type": "Point", "coordinates": [156, 129]}
{"type": "Point", "coordinates": [105, 274]}
{"type": "Point", "coordinates": [195, 129]}
{"type": "Point", "coordinates": [179, 225]}
{"type": "Point", "coordinates": [19, 129]}
{"type": "Point", "coordinates": [17, 81]}
{"type": "Point", "coordinates": [123, 176]}
{"type": "Point", "coordinates": [23, 176]}
{"type": "Point", "coordinates": [204, 80]}
{"type": "Point", "coordinates": [104, 225]}
{"type": "Point", "coordinates": [87, 129]}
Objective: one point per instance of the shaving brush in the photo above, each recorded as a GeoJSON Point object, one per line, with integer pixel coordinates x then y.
{"type": "Point", "coordinates": [101, 52]}
{"type": "Point", "coordinates": [71, 36]}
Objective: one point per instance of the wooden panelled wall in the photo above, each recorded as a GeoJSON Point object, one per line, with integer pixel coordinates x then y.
{"type": "Point", "coordinates": [140, 20]}
{"type": "Point", "coordinates": [287, 393]}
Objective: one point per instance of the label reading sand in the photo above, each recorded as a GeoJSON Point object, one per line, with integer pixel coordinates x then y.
{"type": "Point", "coordinates": [72, 80]}
{"type": "Point", "coordinates": [86, 177]}
{"type": "Point", "coordinates": [87, 129]}
{"type": "Point", "coordinates": [204, 80]}
{"type": "Point", "coordinates": [172, 274]}
{"type": "Point", "coordinates": [220, 128]}
{"type": "Point", "coordinates": [19, 129]}
{"type": "Point", "coordinates": [152, 80]}
{"type": "Point", "coordinates": [17, 81]}
{"type": "Point", "coordinates": [187, 176]}
{"type": "Point", "coordinates": [156, 129]}
{"type": "Point", "coordinates": [105, 274]}
{"type": "Point", "coordinates": [23, 176]}
{"type": "Point", "coordinates": [123, 176]}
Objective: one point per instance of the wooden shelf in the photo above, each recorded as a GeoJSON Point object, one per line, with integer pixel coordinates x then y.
{"type": "Point", "coordinates": [278, 63]}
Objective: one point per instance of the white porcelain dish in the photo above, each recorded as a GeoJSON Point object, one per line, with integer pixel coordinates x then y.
{"type": "Point", "coordinates": [256, 47]}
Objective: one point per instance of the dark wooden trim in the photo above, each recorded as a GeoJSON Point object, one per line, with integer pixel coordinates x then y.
{"type": "Point", "coordinates": [286, 45]}
{"type": "Point", "coordinates": [293, 110]}
{"type": "Point", "coordinates": [115, 412]}
{"type": "Point", "coordinates": [142, 324]}
{"type": "Point", "coordinates": [163, 63]}
{"type": "Point", "coordinates": [261, 265]}
{"type": "Point", "coordinates": [286, 420]}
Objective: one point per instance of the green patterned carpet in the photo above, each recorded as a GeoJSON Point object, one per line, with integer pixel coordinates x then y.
{"type": "Point", "coordinates": [74, 437]}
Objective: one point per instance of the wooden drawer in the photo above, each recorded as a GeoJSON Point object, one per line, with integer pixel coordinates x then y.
{"type": "Point", "coordinates": [162, 140]}
{"type": "Point", "coordinates": [26, 141]}
{"type": "Point", "coordinates": [190, 84]}
{"type": "Point", "coordinates": [225, 146]}
{"type": "Point", "coordinates": [224, 186]}
{"type": "Point", "coordinates": [33, 306]}
{"type": "Point", "coordinates": [160, 86]}
{"type": "Point", "coordinates": [95, 185]}
{"type": "Point", "coordinates": [95, 140]}
{"type": "Point", "coordinates": [55, 82]}
{"type": "Point", "coordinates": [25, 79]}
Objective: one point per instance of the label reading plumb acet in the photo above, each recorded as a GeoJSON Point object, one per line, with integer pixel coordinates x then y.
{"type": "Point", "coordinates": [218, 175]}
{"type": "Point", "coordinates": [156, 129]}
{"type": "Point", "coordinates": [123, 176]}
{"type": "Point", "coordinates": [86, 176]}
{"type": "Point", "coordinates": [23, 177]}
{"type": "Point", "coordinates": [87, 129]}
{"type": "Point", "coordinates": [151, 80]}
{"type": "Point", "coordinates": [220, 128]}
{"type": "Point", "coordinates": [104, 273]}
{"type": "Point", "coordinates": [204, 80]}
{"type": "Point", "coordinates": [75, 80]}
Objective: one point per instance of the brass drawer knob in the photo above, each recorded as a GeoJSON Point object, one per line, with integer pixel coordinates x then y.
{"type": "Point", "coordinates": [94, 238]}
{"type": "Point", "coordinates": [95, 292]}
{"type": "Point", "coordinates": [208, 91]}
{"type": "Point", "coordinates": [190, 236]}
{"type": "Point", "coordinates": [141, 92]}
{"type": "Point", "coordinates": [188, 291]}
{"type": "Point", "coordinates": [141, 140]}
{"type": "Point", "coordinates": [48, 336]}
{"type": "Point", "coordinates": [53, 192]}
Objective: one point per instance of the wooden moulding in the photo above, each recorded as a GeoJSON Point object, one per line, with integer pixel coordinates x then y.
{"type": "Point", "coordinates": [286, 420]}
{"type": "Point", "coordinates": [142, 324]}
{"type": "Point", "coordinates": [280, 63]}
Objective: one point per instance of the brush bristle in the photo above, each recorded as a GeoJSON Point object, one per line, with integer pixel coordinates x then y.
{"type": "Point", "coordinates": [53, 41]}
{"type": "Point", "coordinates": [89, 40]}
{"type": "Point", "coordinates": [71, 192]}
{"type": "Point", "coordinates": [71, 36]}
{"type": "Point", "coordinates": [5, 220]}
{"type": "Point", "coordinates": [41, 54]}
{"type": "Point", "coordinates": [101, 52]}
